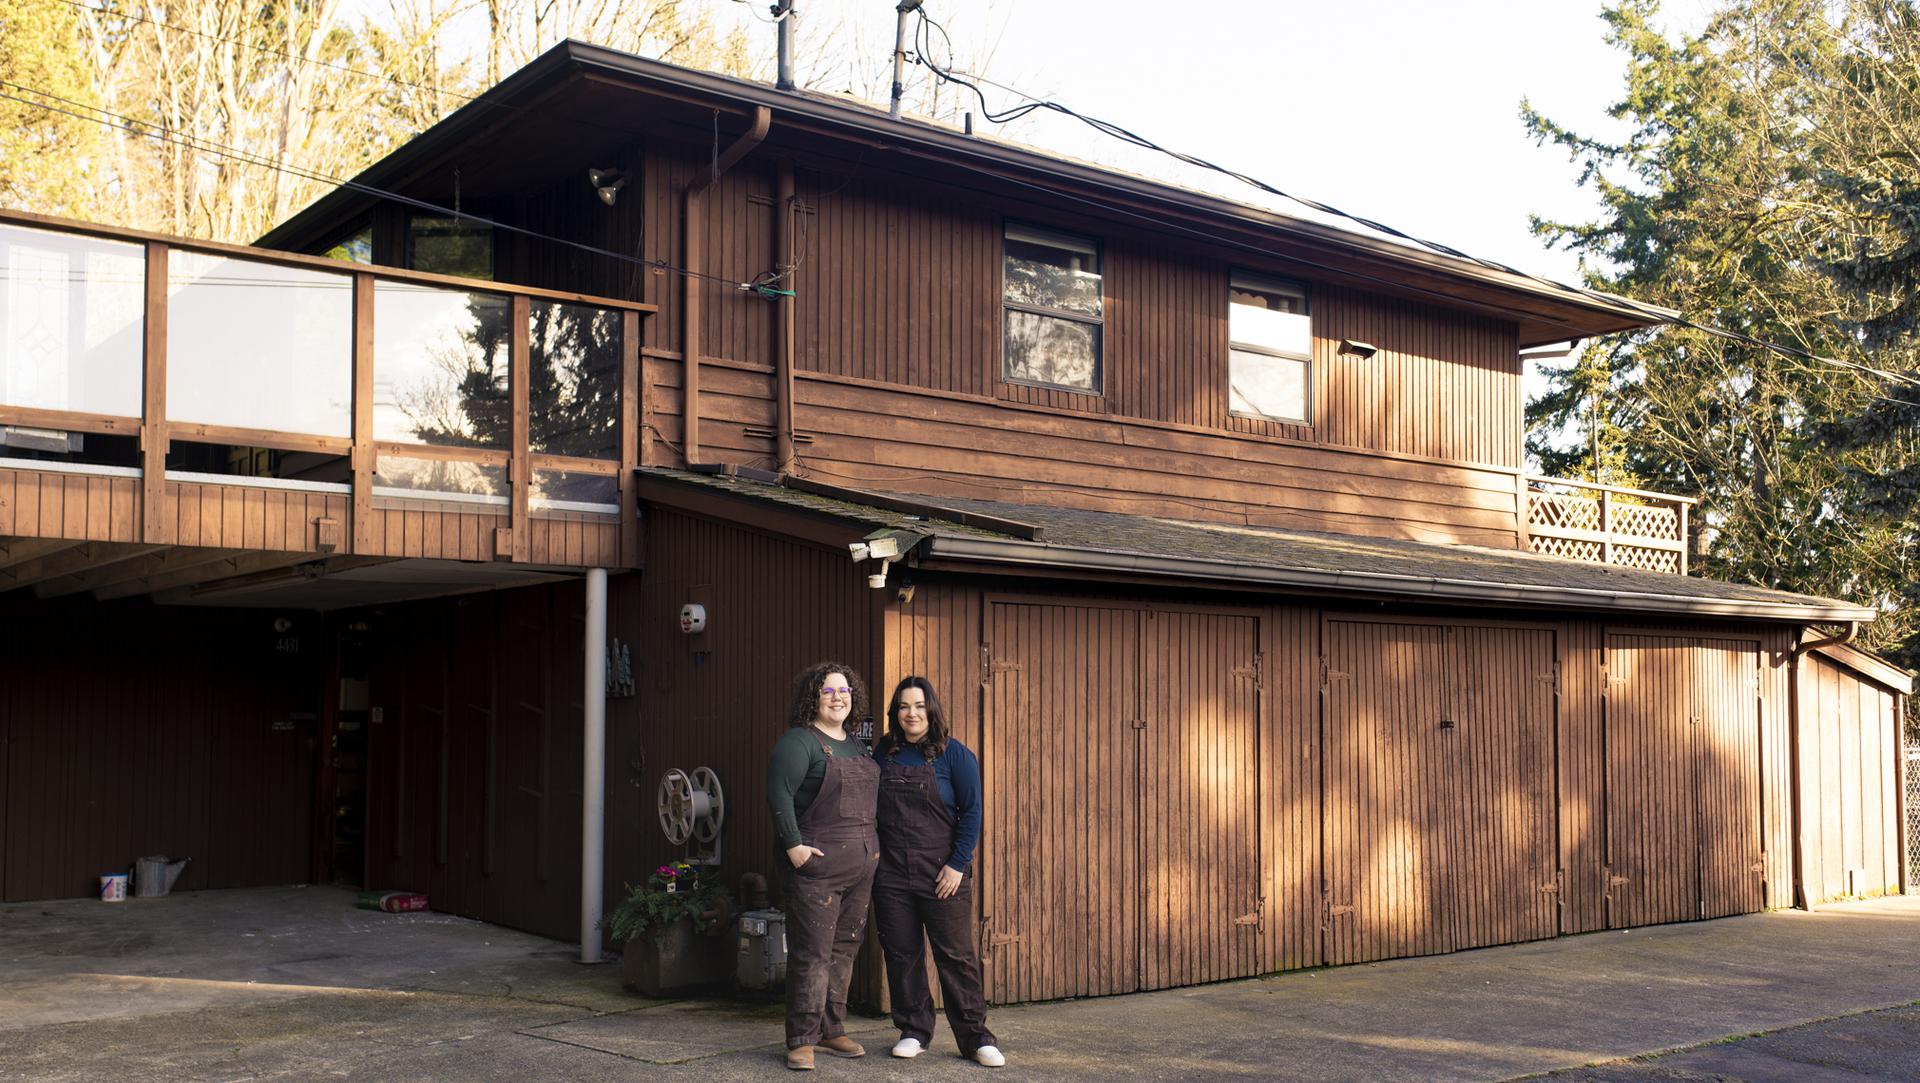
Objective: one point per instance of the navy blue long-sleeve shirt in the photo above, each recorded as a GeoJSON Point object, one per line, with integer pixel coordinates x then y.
{"type": "Point", "coordinates": [958, 773]}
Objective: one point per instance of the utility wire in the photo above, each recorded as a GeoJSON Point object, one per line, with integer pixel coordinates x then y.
{"type": "Point", "coordinates": [163, 134]}
{"type": "Point", "coordinates": [922, 48]}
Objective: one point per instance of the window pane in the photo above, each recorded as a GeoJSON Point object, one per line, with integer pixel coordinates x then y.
{"type": "Point", "coordinates": [1051, 350]}
{"type": "Point", "coordinates": [399, 475]}
{"type": "Point", "coordinates": [1273, 318]}
{"type": "Point", "coordinates": [259, 345]}
{"type": "Point", "coordinates": [1267, 386]}
{"type": "Point", "coordinates": [355, 247]}
{"type": "Point", "coordinates": [574, 386]}
{"type": "Point", "coordinates": [564, 490]}
{"type": "Point", "coordinates": [71, 322]}
{"type": "Point", "coordinates": [448, 246]}
{"type": "Point", "coordinates": [1053, 277]}
{"type": "Point", "coordinates": [440, 366]}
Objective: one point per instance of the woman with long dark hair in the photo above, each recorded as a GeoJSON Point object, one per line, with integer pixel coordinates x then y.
{"type": "Point", "coordinates": [821, 788]}
{"type": "Point", "coordinates": [929, 823]}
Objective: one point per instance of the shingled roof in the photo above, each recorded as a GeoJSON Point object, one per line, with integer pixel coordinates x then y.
{"type": "Point", "coordinates": [956, 531]}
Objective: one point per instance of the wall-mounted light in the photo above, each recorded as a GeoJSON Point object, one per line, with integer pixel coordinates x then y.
{"type": "Point", "coordinates": [607, 183]}
{"type": "Point", "coordinates": [1359, 351]}
{"type": "Point", "coordinates": [693, 618]}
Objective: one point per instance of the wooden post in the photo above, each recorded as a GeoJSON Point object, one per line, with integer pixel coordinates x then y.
{"type": "Point", "coordinates": [156, 518]}
{"type": "Point", "coordinates": [362, 459]}
{"type": "Point", "coordinates": [1686, 538]}
{"type": "Point", "coordinates": [1606, 527]}
{"type": "Point", "coordinates": [1522, 511]}
{"type": "Point", "coordinates": [629, 436]}
{"type": "Point", "coordinates": [520, 460]}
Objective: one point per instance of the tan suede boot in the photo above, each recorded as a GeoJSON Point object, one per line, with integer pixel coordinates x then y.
{"type": "Point", "coordinates": [800, 1059]}
{"type": "Point", "coordinates": [843, 1046]}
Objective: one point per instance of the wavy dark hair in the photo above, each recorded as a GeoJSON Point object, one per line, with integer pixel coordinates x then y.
{"type": "Point", "coordinates": [806, 694]}
{"type": "Point", "coordinates": [935, 742]}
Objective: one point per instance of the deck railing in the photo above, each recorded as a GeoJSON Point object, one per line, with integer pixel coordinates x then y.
{"type": "Point", "coordinates": [1608, 524]}
{"type": "Point", "coordinates": [416, 387]}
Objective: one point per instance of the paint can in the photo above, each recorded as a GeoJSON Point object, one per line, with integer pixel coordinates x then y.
{"type": "Point", "coordinates": [113, 887]}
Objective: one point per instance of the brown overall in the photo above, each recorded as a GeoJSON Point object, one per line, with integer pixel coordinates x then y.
{"type": "Point", "coordinates": [827, 897]}
{"type": "Point", "coordinates": [916, 838]}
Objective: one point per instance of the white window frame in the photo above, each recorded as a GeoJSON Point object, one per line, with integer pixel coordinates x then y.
{"type": "Point", "coordinates": [1071, 242]}
{"type": "Point", "coordinates": [1260, 283]}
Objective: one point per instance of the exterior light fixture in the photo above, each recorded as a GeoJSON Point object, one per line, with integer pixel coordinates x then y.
{"type": "Point", "coordinates": [607, 183]}
{"type": "Point", "coordinates": [1359, 351]}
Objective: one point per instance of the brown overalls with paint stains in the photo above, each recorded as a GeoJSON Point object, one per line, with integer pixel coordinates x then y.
{"type": "Point", "coordinates": [827, 897]}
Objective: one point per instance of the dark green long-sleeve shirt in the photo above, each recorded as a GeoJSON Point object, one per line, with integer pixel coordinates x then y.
{"type": "Point", "coordinates": [794, 773]}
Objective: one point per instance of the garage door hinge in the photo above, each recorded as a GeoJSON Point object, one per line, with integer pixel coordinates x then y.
{"type": "Point", "coordinates": [1139, 723]}
{"type": "Point", "coordinates": [1250, 672]}
{"type": "Point", "coordinates": [1548, 889]}
{"type": "Point", "coordinates": [993, 666]}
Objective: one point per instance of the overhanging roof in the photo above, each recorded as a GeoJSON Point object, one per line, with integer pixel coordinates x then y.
{"type": "Point", "coordinates": [595, 93]}
{"type": "Point", "coordinates": [1869, 665]}
{"type": "Point", "coordinates": [1079, 543]}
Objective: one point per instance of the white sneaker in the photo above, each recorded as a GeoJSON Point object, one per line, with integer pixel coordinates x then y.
{"type": "Point", "coordinates": [989, 1056]}
{"type": "Point", "coordinates": [908, 1048]}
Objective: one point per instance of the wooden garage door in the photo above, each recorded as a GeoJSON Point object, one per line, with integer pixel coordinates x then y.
{"type": "Point", "coordinates": [1683, 769]}
{"type": "Point", "coordinates": [1439, 807]}
{"type": "Point", "coordinates": [1122, 833]}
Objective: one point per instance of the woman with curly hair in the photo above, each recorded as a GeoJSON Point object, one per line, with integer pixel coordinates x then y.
{"type": "Point", "coordinates": [821, 788]}
{"type": "Point", "coordinates": [929, 822]}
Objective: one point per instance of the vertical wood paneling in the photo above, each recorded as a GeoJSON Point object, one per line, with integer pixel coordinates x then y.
{"type": "Point", "coordinates": [1582, 777]}
{"type": "Point", "coordinates": [1290, 789]}
{"type": "Point", "coordinates": [1850, 774]}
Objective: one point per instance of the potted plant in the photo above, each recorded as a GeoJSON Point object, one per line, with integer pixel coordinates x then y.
{"type": "Point", "coordinates": [669, 930]}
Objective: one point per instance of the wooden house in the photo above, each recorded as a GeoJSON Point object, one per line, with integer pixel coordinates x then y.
{"type": "Point", "coordinates": [1213, 523]}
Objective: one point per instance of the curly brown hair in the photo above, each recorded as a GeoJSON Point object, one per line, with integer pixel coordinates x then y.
{"type": "Point", "coordinates": [806, 693]}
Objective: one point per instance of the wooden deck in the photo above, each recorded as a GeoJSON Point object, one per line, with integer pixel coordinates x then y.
{"type": "Point", "coordinates": [114, 525]}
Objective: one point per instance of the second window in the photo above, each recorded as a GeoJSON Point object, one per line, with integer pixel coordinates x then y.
{"type": "Point", "coordinates": [1053, 309]}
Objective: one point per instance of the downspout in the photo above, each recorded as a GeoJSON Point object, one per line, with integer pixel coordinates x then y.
{"type": "Point", "coordinates": [786, 206]}
{"type": "Point", "coordinates": [693, 241]}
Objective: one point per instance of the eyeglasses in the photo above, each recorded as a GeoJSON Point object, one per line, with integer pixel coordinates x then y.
{"type": "Point", "coordinates": [826, 692]}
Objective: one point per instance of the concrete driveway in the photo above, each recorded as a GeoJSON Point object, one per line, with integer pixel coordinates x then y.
{"type": "Point", "coordinates": [295, 983]}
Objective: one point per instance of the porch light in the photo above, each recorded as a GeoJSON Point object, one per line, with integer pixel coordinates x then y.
{"type": "Point", "coordinates": [607, 183]}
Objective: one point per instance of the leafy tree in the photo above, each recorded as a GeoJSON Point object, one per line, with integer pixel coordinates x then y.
{"type": "Point", "coordinates": [47, 158]}
{"type": "Point", "coordinates": [1721, 201]}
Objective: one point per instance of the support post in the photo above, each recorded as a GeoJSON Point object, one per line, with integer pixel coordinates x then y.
{"type": "Point", "coordinates": [156, 516]}
{"type": "Point", "coordinates": [593, 771]}
{"type": "Point", "coordinates": [1606, 527]}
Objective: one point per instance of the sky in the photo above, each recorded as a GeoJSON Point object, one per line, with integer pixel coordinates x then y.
{"type": "Point", "coordinates": [1407, 112]}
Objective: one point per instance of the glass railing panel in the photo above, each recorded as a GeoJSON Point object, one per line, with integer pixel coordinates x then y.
{"type": "Point", "coordinates": [440, 366]}
{"type": "Point", "coordinates": [571, 490]}
{"type": "Point", "coordinates": [440, 479]}
{"type": "Point", "coordinates": [259, 345]}
{"type": "Point", "coordinates": [72, 320]}
{"type": "Point", "coordinates": [573, 389]}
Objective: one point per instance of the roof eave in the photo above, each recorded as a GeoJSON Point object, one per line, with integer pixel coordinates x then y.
{"type": "Point", "coordinates": [1029, 554]}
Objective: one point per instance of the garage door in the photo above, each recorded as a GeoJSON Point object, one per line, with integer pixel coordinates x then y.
{"type": "Point", "coordinates": [1439, 828]}
{"type": "Point", "coordinates": [1122, 834]}
{"type": "Point", "coordinates": [1683, 779]}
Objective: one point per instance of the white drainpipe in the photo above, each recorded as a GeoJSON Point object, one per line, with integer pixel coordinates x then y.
{"type": "Point", "coordinates": [593, 772]}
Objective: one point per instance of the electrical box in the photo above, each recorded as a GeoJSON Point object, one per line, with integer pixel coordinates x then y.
{"type": "Point", "coordinates": [762, 963]}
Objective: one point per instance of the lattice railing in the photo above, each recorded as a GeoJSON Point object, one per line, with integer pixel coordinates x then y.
{"type": "Point", "coordinates": [1607, 524]}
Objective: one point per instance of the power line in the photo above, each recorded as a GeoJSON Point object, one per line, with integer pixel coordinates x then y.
{"type": "Point", "coordinates": [923, 41]}
{"type": "Point", "coordinates": [161, 133]}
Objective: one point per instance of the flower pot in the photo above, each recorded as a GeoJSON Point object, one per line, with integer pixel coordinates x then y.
{"type": "Point", "coordinates": [679, 962]}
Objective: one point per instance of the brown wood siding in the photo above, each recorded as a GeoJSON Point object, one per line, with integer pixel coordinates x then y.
{"type": "Point", "coordinates": [430, 529]}
{"type": "Point", "coordinates": [720, 699]}
{"type": "Point", "coordinates": [1440, 831]}
{"type": "Point", "coordinates": [1850, 774]}
{"type": "Point", "coordinates": [578, 539]}
{"type": "Point", "coordinates": [243, 517]}
{"type": "Point", "coordinates": [869, 435]}
{"type": "Point", "coordinates": [1582, 781]}
{"type": "Point", "coordinates": [81, 507]}
{"type": "Point", "coordinates": [176, 731]}
{"type": "Point", "coordinates": [1684, 778]}
{"type": "Point", "coordinates": [898, 286]}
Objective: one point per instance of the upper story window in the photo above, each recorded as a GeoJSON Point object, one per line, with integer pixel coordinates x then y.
{"type": "Point", "coordinates": [354, 247]}
{"type": "Point", "coordinates": [449, 246]}
{"type": "Point", "coordinates": [1052, 294]}
{"type": "Point", "coordinates": [1270, 349]}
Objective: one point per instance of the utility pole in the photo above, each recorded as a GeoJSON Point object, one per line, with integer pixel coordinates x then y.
{"type": "Point", "coordinates": [783, 14]}
{"type": "Point", "coordinates": [905, 8]}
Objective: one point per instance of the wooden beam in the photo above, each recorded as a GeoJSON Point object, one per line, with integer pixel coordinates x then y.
{"type": "Point", "coordinates": [295, 568]}
{"type": "Point", "coordinates": [520, 470]}
{"type": "Point", "coordinates": [66, 562]}
{"type": "Point", "coordinates": [134, 567]}
{"type": "Point", "coordinates": [363, 455]}
{"type": "Point", "coordinates": [222, 568]}
{"type": "Point", "coordinates": [110, 566]}
{"type": "Point", "coordinates": [69, 421]}
{"type": "Point", "coordinates": [242, 437]}
{"type": "Point", "coordinates": [156, 511]}
{"type": "Point", "coordinates": [629, 437]}
{"type": "Point", "coordinates": [19, 550]}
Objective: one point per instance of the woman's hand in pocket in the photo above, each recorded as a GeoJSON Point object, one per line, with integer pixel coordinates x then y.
{"type": "Point", "coordinates": [946, 883]}
{"type": "Point", "coordinates": [803, 853]}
